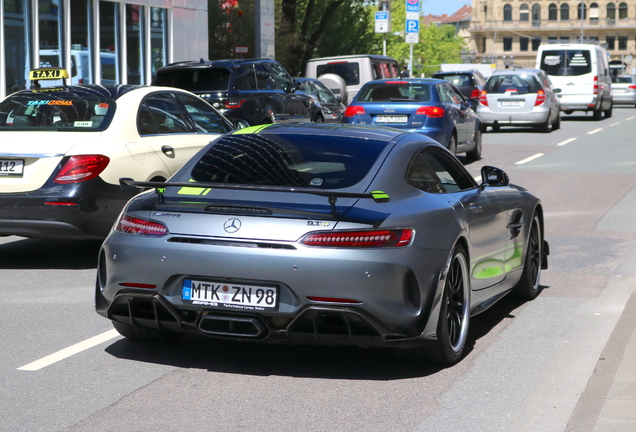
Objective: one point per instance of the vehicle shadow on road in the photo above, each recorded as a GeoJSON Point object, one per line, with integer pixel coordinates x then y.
{"type": "Point", "coordinates": [21, 253]}
{"type": "Point", "coordinates": [247, 358]}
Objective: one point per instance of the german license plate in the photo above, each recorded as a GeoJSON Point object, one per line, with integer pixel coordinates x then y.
{"type": "Point", "coordinates": [619, 90]}
{"type": "Point", "coordinates": [230, 295]}
{"type": "Point", "coordinates": [510, 104]}
{"type": "Point", "coordinates": [391, 119]}
{"type": "Point", "coordinates": [11, 167]}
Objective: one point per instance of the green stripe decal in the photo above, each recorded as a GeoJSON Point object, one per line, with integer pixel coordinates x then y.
{"type": "Point", "coordinates": [251, 129]}
{"type": "Point", "coordinates": [193, 190]}
{"type": "Point", "coordinates": [380, 196]}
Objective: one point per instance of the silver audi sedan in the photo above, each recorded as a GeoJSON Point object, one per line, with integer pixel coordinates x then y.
{"type": "Point", "coordinates": [322, 234]}
{"type": "Point", "coordinates": [519, 97]}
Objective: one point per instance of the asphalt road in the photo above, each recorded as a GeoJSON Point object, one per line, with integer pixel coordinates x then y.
{"type": "Point", "coordinates": [63, 368]}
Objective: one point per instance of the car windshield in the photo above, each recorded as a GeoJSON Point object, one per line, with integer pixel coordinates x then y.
{"type": "Point", "coordinates": [287, 160]}
{"type": "Point", "coordinates": [60, 112]}
{"type": "Point", "coordinates": [395, 91]}
{"type": "Point", "coordinates": [624, 80]}
{"type": "Point", "coordinates": [522, 83]}
{"type": "Point", "coordinates": [458, 79]}
{"type": "Point", "coordinates": [566, 62]}
{"type": "Point", "coordinates": [195, 79]}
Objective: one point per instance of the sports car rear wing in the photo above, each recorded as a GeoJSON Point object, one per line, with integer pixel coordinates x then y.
{"type": "Point", "coordinates": [160, 188]}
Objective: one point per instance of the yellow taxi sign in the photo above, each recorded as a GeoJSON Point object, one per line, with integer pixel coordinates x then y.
{"type": "Point", "coordinates": [48, 74]}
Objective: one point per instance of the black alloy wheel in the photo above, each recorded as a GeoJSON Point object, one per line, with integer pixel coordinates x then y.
{"type": "Point", "coordinates": [528, 286]}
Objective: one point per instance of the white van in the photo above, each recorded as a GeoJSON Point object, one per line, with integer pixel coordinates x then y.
{"type": "Point", "coordinates": [80, 72]}
{"type": "Point", "coordinates": [582, 73]}
{"type": "Point", "coordinates": [351, 72]}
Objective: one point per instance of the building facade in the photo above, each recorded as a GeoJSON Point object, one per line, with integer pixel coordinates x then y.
{"type": "Point", "coordinates": [508, 32]}
{"type": "Point", "coordinates": [98, 41]}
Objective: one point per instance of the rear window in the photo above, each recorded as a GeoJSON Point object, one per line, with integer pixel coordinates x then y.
{"type": "Point", "coordinates": [395, 92]}
{"type": "Point", "coordinates": [566, 62]}
{"type": "Point", "coordinates": [624, 80]}
{"type": "Point", "coordinates": [47, 112]}
{"type": "Point", "coordinates": [520, 84]}
{"type": "Point", "coordinates": [458, 79]}
{"type": "Point", "coordinates": [348, 71]}
{"type": "Point", "coordinates": [209, 79]}
{"type": "Point", "coordinates": [289, 160]}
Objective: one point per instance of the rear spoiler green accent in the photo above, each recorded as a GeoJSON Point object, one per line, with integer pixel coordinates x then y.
{"type": "Point", "coordinates": [251, 129]}
{"type": "Point", "coordinates": [160, 188]}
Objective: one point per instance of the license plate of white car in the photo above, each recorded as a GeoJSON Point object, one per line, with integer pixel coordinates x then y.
{"type": "Point", "coordinates": [230, 295]}
{"type": "Point", "coordinates": [510, 104]}
{"type": "Point", "coordinates": [391, 119]}
{"type": "Point", "coordinates": [11, 167]}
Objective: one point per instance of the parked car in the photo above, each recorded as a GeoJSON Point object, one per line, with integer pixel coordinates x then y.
{"type": "Point", "coordinates": [520, 97]}
{"type": "Point", "coordinates": [321, 234]}
{"type": "Point", "coordinates": [582, 73]}
{"type": "Point", "coordinates": [470, 83]}
{"type": "Point", "coordinates": [432, 107]}
{"type": "Point", "coordinates": [63, 150]}
{"type": "Point", "coordinates": [259, 91]}
{"type": "Point", "coordinates": [332, 106]}
{"type": "Point", "coordinates": [624, 90]}
{"type": "Point", "coordinates": [345, 75]}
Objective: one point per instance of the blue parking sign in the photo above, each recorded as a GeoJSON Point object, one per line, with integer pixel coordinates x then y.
{"type": "Point", "coordinates": [412, 26]}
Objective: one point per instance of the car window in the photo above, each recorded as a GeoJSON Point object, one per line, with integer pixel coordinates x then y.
{"type": "Point", "coordinates": [458, 79]}
{"type": "Point", "coordinates": [566, 62]}
{"type": "Point", "coordinates": [395, 91]}
{"type": "Point", "coordinates": [200, 79]}
{"type": "Point", "coordinates": [348, 71]}
{"type": "Point", "coordinates": [519, 83]}
{"type": "Point", "coordinates": [448, 95]}
{"type": "Point", "coordinates": [281, 77]}
{"type": "Point", "coordinates": [624, 80]}
{"type": "Point", "coordinates": [324, 94]}
{"type": "Point", "coordinates": [56, 112]}
{"type": "Point", "coordinates": [265, 78]}
{"type": "Point", "coordinates": [205, 118]}
{"type": "Point", "coordinates": [297, 160]}
{"type": "Point", "coordinates": [245, 78]}
{"type": "Point", "coordinates": [434, 172]}
{"type": "Point", "coordinates": [165, 113]}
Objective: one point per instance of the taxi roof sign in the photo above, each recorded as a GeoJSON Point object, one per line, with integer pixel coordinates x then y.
{"type": "Point", "coordinates": [48, 74]}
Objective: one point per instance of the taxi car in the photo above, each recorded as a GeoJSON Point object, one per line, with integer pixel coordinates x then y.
{"type": "Point", "coordinates": [321, 234]}
{"type": "Point", "coordinates": [64, 148]}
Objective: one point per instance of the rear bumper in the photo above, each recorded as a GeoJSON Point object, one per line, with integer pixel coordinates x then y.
{"type": "Point", "coordinates": [579, 102]}
{"type": "Point", "coordinates": [513, 119]}
{"type": "Point", "coordinates": [624, 98]}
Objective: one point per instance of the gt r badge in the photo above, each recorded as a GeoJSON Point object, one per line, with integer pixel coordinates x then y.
{"type": "Point", "coordinates": [232, 225]}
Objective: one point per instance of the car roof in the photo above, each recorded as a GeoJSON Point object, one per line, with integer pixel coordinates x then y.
{"type": "Point", "coordinates": [379, 133]}
{"type": "Point", "coordinates": [354, 56]}
{"type": "Point", "coordinates": [87, 90]}
{"type": "Point", "coordinates": [223, 63]}
{"type": "Point", "coordinates": [457, 72]}
{"type": "Point", "coordinates": [407, 80]}
{"type": "Point", "coordinates": [516, 71]}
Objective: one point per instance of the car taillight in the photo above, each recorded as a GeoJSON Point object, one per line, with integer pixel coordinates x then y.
{"type": "Point", "coordinates": [81, 168]}
{"type": "Point", "coordinates": [431, 111]}
{"type": "Point", "coordinates": [132, 225]}
{"type": "Point", "coordinates": [540, 98]}
{"type": "Point", "coordinates": [483, 99]}
{"type": "Point", "coordinates": [234, 103]}
{"type": "Point", "coordinates": [353, 110]}
{"type": "Point", "coordinates": [632, 87]}
{"type": "Point", "coordinates": [595, 85]}
{"type": "Point", "coordinates": [360, 239]}
{"type": "Point", "coordinates": [474, 94]}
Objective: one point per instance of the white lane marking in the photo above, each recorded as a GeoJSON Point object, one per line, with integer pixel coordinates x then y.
{"type": "Point", "coordinates": [567, 141]}
{"type": "Point", "coordinates": [538, 155]}
{"type": "Point", "coordinates": [615, 124]}
{"type": "Point", "coordinates": [592, 132]}
{"type": "Point", "coordinates": [67, 352]}
{"type": "Point", "coordinates": [629, 118]}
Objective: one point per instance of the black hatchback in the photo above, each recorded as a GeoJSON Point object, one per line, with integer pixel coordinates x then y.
{"type": "Point", "coordinates": [259, 91]}
{"type": "Point", "coordinates": [469, 82]}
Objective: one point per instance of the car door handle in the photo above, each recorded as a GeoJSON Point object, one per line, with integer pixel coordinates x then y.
{"type": "Point", "coordinates": [168, 151]}
{"type": "Point", "coordinates": [475, 208]}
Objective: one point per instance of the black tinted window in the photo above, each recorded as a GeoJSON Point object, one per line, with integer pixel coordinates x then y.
{"type": "Point", "coordinates": [203, 115]}
{"type": "Point", "coordinates": [348, 71]}
{"type": "Point", "coordinates": [395, 92]}
{"type": "Point", "coordinates": [165, 114]}
{"type": "Point", "coordinates": [434, 172]}
{"type": "Point", "coordinates": [300, 160]}
{"type": "Point", "coordinates": [624, 80]}
{"type": "Point", "coordinates": [513, 83]}
{"type": "Point", "coordinates": [265, 78]}
{"type": "Point", "coordinates": [208, 79]}
{"type": "Point", "coordinates": [458, 79]}
{"type": "Point", "coordinates": [570, 62]}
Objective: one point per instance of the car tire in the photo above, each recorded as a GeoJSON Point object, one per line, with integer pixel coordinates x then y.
{"type": "Point", "coordinates": [135, 332]}
{"type": "Point", "coordinates": [546, 126]}
{"type": "Point", "coordinates": [475, 154]}
{"type": "Point", "coordinates": [597, 114]}
{"type": "Point", "coordinates": [452, 143]}
{"type": "Point", "coordinates": [557, 123]}
{"type": "Point", "coordinates": [454, 317]}
{"type": "Point", "coordinates": [319, 118]}
{"type": "Point", "coordinates": [528, 286]}
{"type": "Point", "coordinates": [495, 127]}
{"type": "Point", "coordinates": [608, 113]}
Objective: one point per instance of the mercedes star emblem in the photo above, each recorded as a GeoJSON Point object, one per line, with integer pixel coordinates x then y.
{"type": "Point", "coordinates": [232, 225]}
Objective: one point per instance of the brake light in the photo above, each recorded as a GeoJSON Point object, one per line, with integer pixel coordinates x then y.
{"type": "Point", "coordinates": [360, 239]}
{"type": "Point", "coordinates": [396, 82]}
{"type": "Point", "coordinates": [354, 110]}
{"type": "Point", "coordinates": [81, 168]}
{"type": "Point", "coordinates": [131, 225]}
{"type": "Point", "coordinates": [483, 99]}
{"type": "Point", "coordinates": [595, 85]}
{"type": "Point", "coordinates": [431, 111]}
{"type": "Point", "coordinates": [632, 87]}
{"type": "Point", "coordinates": [474, 94]}
{"type": "Point", "coordinates": [540, 98]}
{"type": "Point", "coordinates": [234, 103]}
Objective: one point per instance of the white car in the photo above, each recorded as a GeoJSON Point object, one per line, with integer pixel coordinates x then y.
{"type": "Point", "coordinates": [624, 90]}
{"type": "Point", "coordinates": [64, 149]}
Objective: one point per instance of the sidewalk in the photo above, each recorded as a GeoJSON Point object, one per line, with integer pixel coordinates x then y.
{"type": "Point", "coordinates": [608, 403]}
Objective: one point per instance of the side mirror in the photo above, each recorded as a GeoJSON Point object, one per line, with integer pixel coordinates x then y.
{"type": "Point", "coordinates": [557, 90]}
{"type": "Point", "coordinates": [492, 176]}
{"type": "Point", "coordinates": [240, 124]}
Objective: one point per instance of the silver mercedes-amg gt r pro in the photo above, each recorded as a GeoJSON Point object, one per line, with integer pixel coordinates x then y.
{"type": "Point", "coordinates": [314, 233]}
